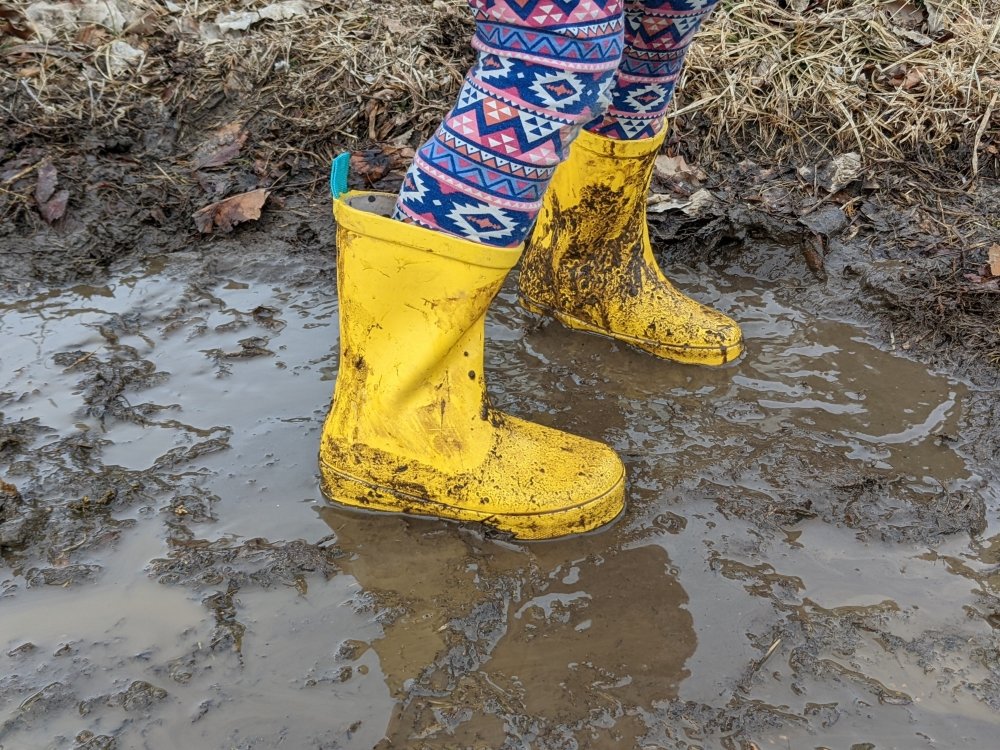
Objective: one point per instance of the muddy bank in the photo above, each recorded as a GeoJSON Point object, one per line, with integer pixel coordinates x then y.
{"type": "Point", "coordinates": [100, 165]}
{"type": "Point", "coordinates": [807, 558]}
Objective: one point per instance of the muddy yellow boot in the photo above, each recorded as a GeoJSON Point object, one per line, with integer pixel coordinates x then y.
{"type": "Point", "coordinates": [411, 429]}
{"type": "Point", "coordinates": [589, 263]}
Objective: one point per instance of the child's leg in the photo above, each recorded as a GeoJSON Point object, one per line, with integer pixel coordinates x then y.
{"type": "Point", "coordinates": [544, 69]}
{"type": "Point", "coordinates": [657, 36]}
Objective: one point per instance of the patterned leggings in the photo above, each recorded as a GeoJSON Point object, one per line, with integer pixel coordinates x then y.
{"type": "Point", "coordinates": [546, 69]}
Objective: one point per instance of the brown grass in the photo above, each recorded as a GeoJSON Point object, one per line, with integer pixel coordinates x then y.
{"type": "Point", "coordinates": [844, 75]}
{"type": "Point", "coordinates": [851, 75]}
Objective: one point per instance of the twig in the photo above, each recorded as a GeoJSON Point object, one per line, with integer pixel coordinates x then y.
{"type": "Point", "coordinates": [22, 173]}
{"type": "Point", "coordinates": [979, 135]}
{"type": "Point", "coordinates": [83, 359]}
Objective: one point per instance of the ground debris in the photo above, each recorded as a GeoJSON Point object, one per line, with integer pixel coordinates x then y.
{"type": "Point", "coordinates": [833, 175]}
{"type": "Point", "coordinates": [139, 696]}
{"type": "Point", "coordinates": [87, 740]}
{"type": "Point", "coordinates": [226, 214]}
{"type": "Point", "coordinates": [34, 709]}
{"type": "Point", "coordinates": [51, 204]}
{"type": "Point", "coordinates": [255, 562]}
{"type": "Point", "coordinates": [68, 575]}
{"type": "Point", "coordinates": [223, 146]}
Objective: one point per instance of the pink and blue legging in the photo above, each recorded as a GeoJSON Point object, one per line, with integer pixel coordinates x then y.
{"type": "Point", "coordinates": [546, 69]}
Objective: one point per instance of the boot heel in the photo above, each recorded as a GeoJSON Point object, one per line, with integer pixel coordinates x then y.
{"type": "Point", "coordinates": [345, 490]}
{"type": "Point", "coordinates": [530, 306]}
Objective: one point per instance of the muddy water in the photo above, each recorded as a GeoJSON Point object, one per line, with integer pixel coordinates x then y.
{"type": "Point", "coordinates": [808, 559]}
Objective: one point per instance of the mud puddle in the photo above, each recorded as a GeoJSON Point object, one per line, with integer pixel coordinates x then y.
{"type": "Point", "coordinates": [808, 559]}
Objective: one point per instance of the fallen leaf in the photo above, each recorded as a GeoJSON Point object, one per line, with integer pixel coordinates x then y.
{"type": "Point", "coordinates": [117, 57]}
{"type": "Point", "coordinates": [46, 185]}
{"type": "Point", "coordinates": [13, 23]}
{"type": "Point", "coordinates": [937, 20]}
{"type": "Point", "coordinates": [237, 21]}
{"type": "Point", "coordinates": [287, 9]}
{"type": "Point", "coordinates": [993, 254]}
{"type": "Point", "coordinates": [370, 166]}
{"type": "Point", "coordinates": [280, 11]}
{"type": "Point", "coordinates": [905, 12]}
{"type": "Point", "coordinates": [913, 78]}
{"type": "Point", "coordinates": [227, 213]}
{"type": "Point", "coordinates": [50, 19]}
{"type": "Point", "coordinates": [836, 174]}
{"type": "Point", "coordinates": [659, 203]}
{"type": "Point", "coordinates": [224, 145]}
{"type": "Point", "coordinates": [51, 204]}
{"type": "Point", "coordinates": [908, 80]}
{"type": "Point", "coordinates": [921, 40]}
{"type": "Point", "coordinates": [828, 220]}
{"type": "Point", "coordinates": [374, 164]}
{"type": "Point", "coordinates": [55, 209]}
{"type": "Point", "coordinates": [695, 205]}
{"type": "Point", "coordinates": [676, 168]}
{"type": "Point", "coordinates": [812, 251]}
{"type": "Point", "coordinates": [701, 202]}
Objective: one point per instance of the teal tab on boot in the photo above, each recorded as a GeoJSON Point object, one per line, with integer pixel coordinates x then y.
{"type": "Point", "coordinates": [339, 171]}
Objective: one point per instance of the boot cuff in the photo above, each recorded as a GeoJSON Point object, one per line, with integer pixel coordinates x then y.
{"type": "Point", "coordinates": [370, 215]}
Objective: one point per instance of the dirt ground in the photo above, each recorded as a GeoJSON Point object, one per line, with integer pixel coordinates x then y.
{"type": "Point", "coordinates": [810, 554]}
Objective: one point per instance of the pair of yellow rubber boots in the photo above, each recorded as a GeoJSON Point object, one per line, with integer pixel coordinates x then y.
{"type": "Point", "coordinates": [411, 428]}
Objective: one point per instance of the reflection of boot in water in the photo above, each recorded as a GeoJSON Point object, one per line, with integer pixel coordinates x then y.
{"type": "Point", "coordinates": [486, 641]}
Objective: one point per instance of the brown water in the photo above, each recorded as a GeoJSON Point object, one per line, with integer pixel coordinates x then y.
{"type": "Point", "coordinates": [793, 571]}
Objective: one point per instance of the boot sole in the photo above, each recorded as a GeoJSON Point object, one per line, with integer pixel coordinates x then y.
{"type": "Point", "coordinates": [352, 492]}
{"type": "Point", "coordinates": [711, 356]}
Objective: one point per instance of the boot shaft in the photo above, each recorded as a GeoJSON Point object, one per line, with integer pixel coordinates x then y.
{"type": "Point", "coordinates": [412, 318]}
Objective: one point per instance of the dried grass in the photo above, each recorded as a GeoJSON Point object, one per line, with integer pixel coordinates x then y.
{"type": "Point", "coordinates": [887, 79]}
{"type": "Point", "coordinates": [346, 71]}
{"type": "Point", "coordinates": [844, 75]}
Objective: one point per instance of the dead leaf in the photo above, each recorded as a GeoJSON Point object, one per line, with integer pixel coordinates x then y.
{"type": "Point", "coordinates": [117, 57]}
{"type": "Point", "coordinates": [13, 23]}
{"type": "Point", "coordinates": [993, 254]}
{"type": "Point", "coordinates": [374, 164]}
{"type": "Point", "coordinates": [659, 203]}
{"type": "Point", "coordinates": [914, 77]}
{"type": "Point", "coordinates": [55, 209]}
{"type": "Point", "coordinates": [370, 166]}
{"type": "Point", "coordinates": [905, 12]}
{"type": "Point", "coordinates": [921, 40]}
{"type": "Point", "coordinates": [676, 168]}
{"type": "Point", "coordinates": [224, 146]}
{"type": "Point", "coordinates": [51, 204]}
{"type": "Point", "coordinates": [813, 251]}
{"type": "Point", "coordinates": [280, 11]}
{"type": "Point", "coordinates": [836, 174]}
{"type": "Point", "coordinates": [908, 79]}
{"type": "Point", "coordinates": [46, 185]}
{"type": "Point", "coordinates": [696, 205]}
{"type": "Point", "coordinates": [227, 213]}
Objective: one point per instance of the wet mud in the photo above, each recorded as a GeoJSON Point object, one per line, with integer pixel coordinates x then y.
{"type": "Point", "coordinates": [808, 559]}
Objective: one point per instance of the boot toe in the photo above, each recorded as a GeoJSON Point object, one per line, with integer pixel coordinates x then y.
{"type": "Point", "coordinates": [563, 484]}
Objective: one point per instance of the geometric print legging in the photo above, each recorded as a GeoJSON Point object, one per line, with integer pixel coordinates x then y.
{"type": "Point", "coordinates": [546, 69]}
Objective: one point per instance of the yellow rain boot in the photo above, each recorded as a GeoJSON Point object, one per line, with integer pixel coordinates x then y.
{"type": "Point", "coordinates": [411, 429]}
{"type": "Point", "coordinates": [589, 263]}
